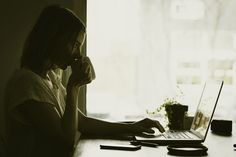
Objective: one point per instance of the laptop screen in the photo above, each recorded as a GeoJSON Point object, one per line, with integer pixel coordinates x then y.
{"type": "Point", "coordinates": [206, 107]}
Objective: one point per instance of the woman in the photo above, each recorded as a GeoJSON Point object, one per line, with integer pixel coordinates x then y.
{"type": "Point", "coordinates": [42, 116]}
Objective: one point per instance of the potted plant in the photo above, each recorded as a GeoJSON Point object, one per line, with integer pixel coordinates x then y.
{"type": "Point", "coordinates": [175, 113]}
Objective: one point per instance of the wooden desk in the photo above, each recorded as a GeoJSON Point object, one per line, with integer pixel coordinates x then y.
{"type": "Point", "coordinates": [218, 146]}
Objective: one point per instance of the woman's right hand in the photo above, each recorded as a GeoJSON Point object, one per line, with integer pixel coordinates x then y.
{"type": "Point", "coordinates": [146, 126]}
{"type": "Point", "coordinates": [82, 72]}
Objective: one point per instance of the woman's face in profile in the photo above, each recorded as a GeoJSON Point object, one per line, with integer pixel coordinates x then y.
{"type": "Point", "coordinates": [77, 45]}
{"type": "Point", "coordinates": [73, 51]}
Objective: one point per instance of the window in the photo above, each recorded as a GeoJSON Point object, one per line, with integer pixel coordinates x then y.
{"type": "Point", "coordinates": [143, 50]}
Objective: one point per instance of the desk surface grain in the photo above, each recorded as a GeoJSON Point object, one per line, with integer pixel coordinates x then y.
{"type": "Point", "coordinates": [218, 146]}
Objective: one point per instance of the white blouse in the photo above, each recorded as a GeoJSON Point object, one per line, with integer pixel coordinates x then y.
{"type": "Point", "coordinates": [25, 85]}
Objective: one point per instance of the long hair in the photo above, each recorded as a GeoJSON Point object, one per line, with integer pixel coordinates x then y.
{"type": "Point", "coordinates": [54, 29]}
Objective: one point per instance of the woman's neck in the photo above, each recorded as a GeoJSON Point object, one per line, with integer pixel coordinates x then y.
{"type": "Point", "coordinates": [43, 73]}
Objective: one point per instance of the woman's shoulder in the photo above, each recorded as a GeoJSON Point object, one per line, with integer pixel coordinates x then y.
{"type": "Point", "coordinates": [23, 80]}
{"type": "Point", "coordinates": [26, 85]}
{"type": "Point", "coordinates": [24, 76]}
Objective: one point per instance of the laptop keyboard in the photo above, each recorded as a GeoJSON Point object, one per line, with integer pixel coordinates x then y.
{"type": "Point", "coordinates": [177, 134]}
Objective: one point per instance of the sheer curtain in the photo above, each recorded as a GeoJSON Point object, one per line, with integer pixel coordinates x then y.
{"type": "Point", "coordinates": [144, 51]}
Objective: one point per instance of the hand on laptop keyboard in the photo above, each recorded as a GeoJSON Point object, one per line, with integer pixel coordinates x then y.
{"type": "Point", "coordinates": [156, 133]}
{"type": "Point", "coordinates": [146, 126]}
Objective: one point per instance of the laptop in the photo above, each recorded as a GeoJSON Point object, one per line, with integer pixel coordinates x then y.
{"type": "Point", "coordinates": [200, 124]}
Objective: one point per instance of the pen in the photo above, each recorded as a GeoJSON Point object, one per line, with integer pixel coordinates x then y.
{"type": "Point", "coordinates": [148, 144]}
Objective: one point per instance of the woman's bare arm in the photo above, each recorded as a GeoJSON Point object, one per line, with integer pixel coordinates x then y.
{"type": "Point", "coordinates": [88, 125]}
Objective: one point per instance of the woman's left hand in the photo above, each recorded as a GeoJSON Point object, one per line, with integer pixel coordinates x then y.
{"type": "Point", "coordinates": [146, 126]}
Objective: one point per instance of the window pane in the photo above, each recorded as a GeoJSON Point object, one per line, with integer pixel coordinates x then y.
{"type": "Point", "coordinates": [146, 51]}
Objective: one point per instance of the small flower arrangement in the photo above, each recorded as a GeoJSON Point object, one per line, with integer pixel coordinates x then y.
{"type": "Point", "coordinates": [174, 111]}
{"type": "Point", "coordinates": [167, 102]}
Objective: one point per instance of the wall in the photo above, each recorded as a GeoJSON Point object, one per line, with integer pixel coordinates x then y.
{"type": "Point", "coordinates": [16, 20]}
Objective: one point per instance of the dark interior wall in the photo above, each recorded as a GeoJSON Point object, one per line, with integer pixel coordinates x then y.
{"type": "Point", "coordinates": [16, 20]}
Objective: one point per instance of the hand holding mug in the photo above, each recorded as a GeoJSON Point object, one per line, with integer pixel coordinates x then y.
{"type": "Point", "coordinates": [82, 72]}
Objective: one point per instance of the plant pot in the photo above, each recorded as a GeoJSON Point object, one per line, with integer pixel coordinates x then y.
{"type": "Point", "coordinates": [176, 114]}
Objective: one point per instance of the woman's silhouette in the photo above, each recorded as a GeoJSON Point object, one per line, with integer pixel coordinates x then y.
{"type": "Point", "coordinates": [42, 116]}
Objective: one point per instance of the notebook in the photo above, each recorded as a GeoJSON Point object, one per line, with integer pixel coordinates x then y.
{"type": "Point", "coordinates": [200, 124]}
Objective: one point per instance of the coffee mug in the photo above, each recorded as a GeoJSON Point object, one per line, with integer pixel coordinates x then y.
{"type": "Point", "coordinates": [86, 59]}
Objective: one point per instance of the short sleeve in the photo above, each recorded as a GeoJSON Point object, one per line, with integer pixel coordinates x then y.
{"type": "Point", "coordinates": [23, 86]}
